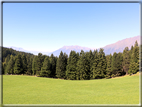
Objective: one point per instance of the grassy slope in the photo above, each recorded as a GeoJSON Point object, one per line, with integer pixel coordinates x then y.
{"type": "Point", "coordinates": [37, 90]}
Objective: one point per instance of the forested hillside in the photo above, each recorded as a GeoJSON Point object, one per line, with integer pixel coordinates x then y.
{"type": "Point", "coordinates": [77, 66]}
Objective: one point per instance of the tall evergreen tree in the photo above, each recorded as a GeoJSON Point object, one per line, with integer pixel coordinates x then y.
{"type": "Point", "coordinates": [95, 64]}
{"type": "Point", "coordinates": [46, 69]}
{"type": "Point", "coordinates": [24, 63]}
{"type": "Point", "coordinates": [39, 63]}
{"type": "Point", "coordinates": [126, 60]}
{"type": "Point", "coordinates": [61, 65]}
{"type": "Point", "coordinates": [134, 63]}
{"type": "Point", "coordinates": [29, 67]}
{"type": "Point", "coordinates": [83, 67]}
{"type": "Point", "coordinates": [34, 63]}
{"type": "Point", "coordinates": [10, 66]}
{"type": "Point", "coordinates": [72, 66]}
{"type": "Point", "coordinates": [53, 65]}
{"type": "Point", "coordinates": [108, 70]}
{"type": "Point", "coordinates": [100, 71]}
{"type": "Point", "coordinates": [18, 65]}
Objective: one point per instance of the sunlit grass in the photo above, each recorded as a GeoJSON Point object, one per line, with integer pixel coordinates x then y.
{"type": "Point", "coordinates": [18, 89]}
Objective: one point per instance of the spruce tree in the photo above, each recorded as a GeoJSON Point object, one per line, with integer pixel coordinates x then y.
{"type": "Point", "coordinates": [61, 65]}
{"type": "Point", "coordinates": [83, 67]}
{"type": "Point", "coordinates": [18, 65]}
{"type": "Point", "coordinates": [95, 64]}
{"type": "Point", "coordinates": [108, 70]}
{"type": "Point", "coordinates": [34, 65]}
{"type": "Point", "coordinates": [10, 66]}
{"type": "Point", "coordinates": [46, 69]}
{"type": "Point", "coordinates": [126, 60]}
{"type": "Point", "coordinates": [39, 63]}
{"type": "Point", "coordinates": [53, 65]}
{"type": "Point", "coordinates": [24, 63]}
{"type": "Point", "coordinates": [100, 65]}
{"type": "Point", "coordinates": [134, 63]}
{"type": "Point", "coordinates": [29, 67]}
{"type": "Point", "coordinates": [72, 66]}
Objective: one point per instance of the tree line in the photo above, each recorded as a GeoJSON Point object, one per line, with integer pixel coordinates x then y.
{"type": "Point", "coordinates": [77, 66]}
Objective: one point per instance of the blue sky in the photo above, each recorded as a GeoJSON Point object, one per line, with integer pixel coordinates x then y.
{"type": "Point", "coordinates": [50, 26]}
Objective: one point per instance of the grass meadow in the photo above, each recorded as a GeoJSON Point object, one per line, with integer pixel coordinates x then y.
{"type": "Point", "coordinates": [19, 89]}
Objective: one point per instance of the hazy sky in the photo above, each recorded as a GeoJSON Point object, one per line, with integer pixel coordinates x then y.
{"type": "Point", "coordinates": [50, 26]}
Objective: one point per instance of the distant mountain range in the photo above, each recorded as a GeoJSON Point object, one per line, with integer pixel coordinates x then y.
{"type": "Point", "coordinates": [33, 52]}
{"type": "Point", "coordinates": [111, 48]}
{"type": "Point", "coordinates": [115, 47]}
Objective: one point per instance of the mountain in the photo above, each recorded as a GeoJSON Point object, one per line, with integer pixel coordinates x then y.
{"type": "Point", "coordinates": [120, 45]}
{"type": "Point", "coordinates": [111, 48]}
{"type": "Point", "coordinates": [67, 49]}
{"type": "Point", "coordinates": [33, 52]}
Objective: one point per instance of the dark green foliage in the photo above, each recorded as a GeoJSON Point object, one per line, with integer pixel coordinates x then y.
{"type": "Point", "coordinates": [10, 65]}
{"type": "Point", "coordinates": [34, 67]}
{"type": "Point", "coordinates": [83, 68]}
{"type": "Point", "coordinates": [100, 65]}
{"type": "Point", "coordinates": [133, 68]}
{"type": "Point", "coordinates": [95, 64]}
{"type": "Point", "coordinates": [18, 69]}
{"type": "Point", "coordinates": [24, 63]}
{"type": "Point", "coordinates": [39, 63]}
{"type": "Point", "coordinates": [134, 64]}
{"type": "Point", "coordinates": [126, 60]}
{"type": "Point", "coordinates": [46, 69]}
{"type": "Point", "coordinates": [29, 67]}
{"type": "Point", "coordinates": [53, 61]}
{"type": "Point", "coordinates": [72, 66]}
{"type": "Point", "coordinates": [108, 70]}
{"type": "Point", "coordinates": [61, 65]}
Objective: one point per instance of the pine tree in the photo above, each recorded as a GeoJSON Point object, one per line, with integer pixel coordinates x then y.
{"type": "Point", "coordinates": [46, 69]}
{"type": "Point", "coordinates": [61, 65]}
{"type": "Point", "coordinates": [134, 63]}
{"type": "Point", "coordinates": [34, 63]}
{"type": "Point", "coordinates": [126, 60]}
{"type": "Point", "coordinates": [99, 71]}
{"type": "Point", "coordinates": [90, 60]}
{"type": "Point", "coordinates": [83, 67]}
{"type": "Point", "coordinates": [39, 63]}
{"type": "Point", "coordinates": [95, 64]}
{"type": "Point", "coordinates": [29, 67]}
{"type": "Point", "coordinates": [24, 63]}
{"type": "Point", "coordinates": [108, 70]}
{"type": "Point", "coordinates": [72, 66]}
{"type": "Point", "coordinates": [10, 66]}
{"type": "Point", "coordinates": [53, 65]}
{"type": "Point", "coordinates": [18, 65]}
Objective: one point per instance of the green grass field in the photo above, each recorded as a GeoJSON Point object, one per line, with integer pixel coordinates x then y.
{"type": "Point", "coordinates": [37, 90]}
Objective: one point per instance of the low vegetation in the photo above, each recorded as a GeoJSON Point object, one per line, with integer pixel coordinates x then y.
{"type": "Point", "coordinates": [18, 89]}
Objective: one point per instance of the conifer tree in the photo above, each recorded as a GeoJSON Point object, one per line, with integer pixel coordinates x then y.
{"type": "Point", "coordinates": [100, 70]}
{"type": "Point", "coordinates": [134, 63]}
{"type": "Point", "coordinates": [72, 66]}
{"type": "Point", "coordinates": [24, 63]}
{"type": "Point", "coordinates": [10, 66]}
{"type": "Point", "coordinates": [95, 64]}
{"type": "Point", "coordinates": [53, 65]}
{"type": "Point", "coordinates": [61, 65]}
{"type": "Point", "coordinates": [46, 69]}
{"type": "Point", "coordinates": [126, 60]}
{"type": "Point", "coordinates": [39, 63]}
{"type": "Point", "coordinates": [108, 70]}
{"type": "Point", "coordinates": [34, 63]}
{"type": "Point", "coordinates": [18, 65]}
{"type": "Point", "coordinates": [83, 67]}
{"type": "Point", "coordinates": [29, 67]}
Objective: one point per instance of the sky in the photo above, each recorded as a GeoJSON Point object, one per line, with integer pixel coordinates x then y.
{"type": "Point", "coordinates": [50, 26]}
